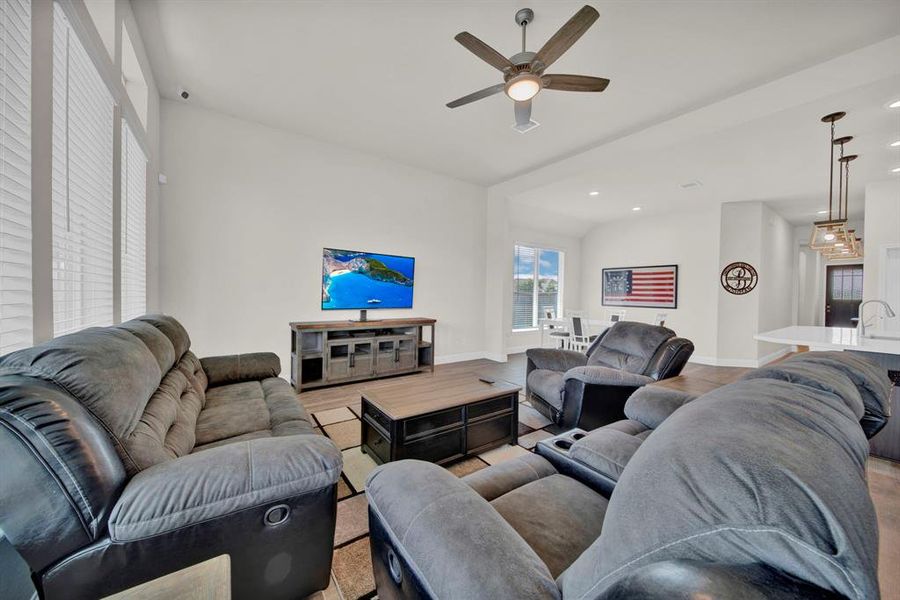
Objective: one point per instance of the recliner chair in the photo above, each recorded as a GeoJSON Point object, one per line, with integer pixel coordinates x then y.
{"type": "Point", "coordinates": [754, 490]}
{"type": "Point", "coordinates": [125, 458]}
{"type": "Point", "coordinates": [589, 390]}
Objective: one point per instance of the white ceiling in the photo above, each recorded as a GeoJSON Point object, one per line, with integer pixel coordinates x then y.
{"type": "Point", "coordinates": [375, 76]}
{"type": "Point", "coordinates": [781, 159]}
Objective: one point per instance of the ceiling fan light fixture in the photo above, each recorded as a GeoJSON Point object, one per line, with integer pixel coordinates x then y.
{"type": "Point", "coordinates": [523, 87]}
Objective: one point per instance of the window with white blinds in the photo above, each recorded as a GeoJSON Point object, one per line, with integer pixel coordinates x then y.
{"type": "Point", "coordinates": [15, 175]}
{"type": "Point", "coordinates": [82, 186]}
{"type": "Point", "coordinates": [537, 285]}
{"type": "Point", "coordinates": [134, 226]}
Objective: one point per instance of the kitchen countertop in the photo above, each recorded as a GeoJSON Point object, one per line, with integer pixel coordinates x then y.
{"type": "Point", "coordinates": [829, 338]}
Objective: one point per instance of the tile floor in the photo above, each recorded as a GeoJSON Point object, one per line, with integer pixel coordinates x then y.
{"type": "Point", "coordinates": [352, 564]}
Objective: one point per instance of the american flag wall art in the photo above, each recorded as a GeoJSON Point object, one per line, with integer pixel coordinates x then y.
{"type": "Point", "coordinates": [647, 287]}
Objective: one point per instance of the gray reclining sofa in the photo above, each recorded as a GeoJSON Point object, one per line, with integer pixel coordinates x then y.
{"type": "Point", "coordinates": [754, 490]}
{"type": "Point", "coordinates": [588, 390]}
{"type": "Point", "coordinates": [125, 458]}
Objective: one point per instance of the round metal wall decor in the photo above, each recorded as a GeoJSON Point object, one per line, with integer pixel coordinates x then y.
{"type": "Point", "coordinates": [739, 278]}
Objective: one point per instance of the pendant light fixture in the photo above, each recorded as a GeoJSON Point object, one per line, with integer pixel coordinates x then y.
{"type": "Point", "coordinates": [832, 237]}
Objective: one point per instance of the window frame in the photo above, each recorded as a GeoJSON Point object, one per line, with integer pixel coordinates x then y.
{"type": "Point", "coordinates": [560, 278]}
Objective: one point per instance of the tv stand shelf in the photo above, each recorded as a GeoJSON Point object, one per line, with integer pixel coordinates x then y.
{"type": "Point", "coordinates": [333, 352]}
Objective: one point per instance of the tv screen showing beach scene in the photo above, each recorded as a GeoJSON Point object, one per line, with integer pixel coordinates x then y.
{"type": "Point", "coordinates": [353, 280]}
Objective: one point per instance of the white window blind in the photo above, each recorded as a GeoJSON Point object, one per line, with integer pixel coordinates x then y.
{"type": "Point", "coordinates": [82, 186]}
{"type": "Point", "coordinates": [15, 175]}
{"type": "Point", "coordinates": [134, 226]}
{"type": "Point", "coordinates": [537, 281]}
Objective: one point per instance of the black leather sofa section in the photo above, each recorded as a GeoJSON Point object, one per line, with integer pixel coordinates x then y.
{"type": "Point", "coordinates": [754, 490]}
{"type": "Point", "coordinates": [590, 390]}
{"type": "Point", "coordinates": [125, 459]}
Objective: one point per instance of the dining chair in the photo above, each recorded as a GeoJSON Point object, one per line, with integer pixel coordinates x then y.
{"type": "Point", "coordinates": [660, 319]}
{"type": "Point", "coordinates": [614, 316]}
{"type": "Point", "coordinates": [580, 338]}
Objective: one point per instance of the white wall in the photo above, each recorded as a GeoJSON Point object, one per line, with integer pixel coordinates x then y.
{"type": "Point", "coordinates": [248, 209]}
{"type": "Point", "coordinates": [882, 233]}
{"type": "Point", "coordinates": [519, 341]}
{"type": "Point", "coordinates": [690, 240]}
{"type": "Point", "coordinates": [776, 285]}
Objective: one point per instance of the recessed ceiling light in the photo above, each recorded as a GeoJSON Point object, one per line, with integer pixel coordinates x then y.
{"type": "Point", "coordinates": [894, 104]}
{"type": "Point", "coordinates": [895, 144]}
{"type": "Point", "coordinates": [594, 193]}
{"type": "Point", "coordinates": [822, 212]}
{"type": "Point", "coordinates": [897, 170]}
{"type": "Point", "coordinates": [636, 208]}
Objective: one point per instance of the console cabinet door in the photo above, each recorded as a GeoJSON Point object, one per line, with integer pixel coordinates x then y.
{"type": "Point", "coordinates": [385, 356]}
{"type": "Point", "coordinates": [406, 354]}
{"type": "Point", "coordinates": [361, 358]}
{"type": "Point", "coordinates": [338, 360]}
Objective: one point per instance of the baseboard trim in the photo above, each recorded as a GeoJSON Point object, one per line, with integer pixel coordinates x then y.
{"type": "Point", "coordinates": [517, 349]}
{"type": "Point", "coordinates": [461, 357]}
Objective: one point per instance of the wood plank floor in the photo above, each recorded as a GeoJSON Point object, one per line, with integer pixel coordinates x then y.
{"type": "Point", "coordinates": [883, 475]}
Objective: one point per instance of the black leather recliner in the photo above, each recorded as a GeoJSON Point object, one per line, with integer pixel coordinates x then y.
{"type": "Point", "coordinates": [124, 458]}
{"type": "Point", "coordinates": [754, 490]}
{"type": "Point", "coordinates": [589, 390]}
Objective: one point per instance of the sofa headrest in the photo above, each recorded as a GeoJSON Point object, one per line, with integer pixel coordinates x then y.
{"type": "Point", "coordinates": [820, 376]}
{"type": "Point", "coordinates": [111, 371]}
{"type": "Point", "coordinates": [174, 330]}
{"type": "Point", "coordinates": [871, 381]}
{"type": "Point", "coordinates": [759, 471]}
{"type": "Point", "coordinates": [628, 345]}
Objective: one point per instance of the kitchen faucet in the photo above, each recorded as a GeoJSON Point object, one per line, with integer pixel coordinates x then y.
{"type": "Point", "coordinates": [861, 325]}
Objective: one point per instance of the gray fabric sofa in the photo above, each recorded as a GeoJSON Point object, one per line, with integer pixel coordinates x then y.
{"type": "Point", "coordinates": [589, 390]}
{"type": "Point", "coordinates": [755, 490]}
{"type": "Point", "coordinates": [125, 457]}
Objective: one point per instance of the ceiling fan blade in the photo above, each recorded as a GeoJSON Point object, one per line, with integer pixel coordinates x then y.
{"type": "Point", "coordinates": [488, 91]}
{"type": "Point", "coordinates": [523, 112]}
{"type": "Point", "coordinates": [574, 83]}
{"type": "Point", "coordinates": [483, 51]}
{"type": "Point", "coordinates": [567, 35]}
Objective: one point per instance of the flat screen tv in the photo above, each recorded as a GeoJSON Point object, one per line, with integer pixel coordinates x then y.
{"type": "Point", "coordinates": [353, 280]}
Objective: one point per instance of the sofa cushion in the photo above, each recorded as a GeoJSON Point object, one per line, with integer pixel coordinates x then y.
{"type": "Point", "coordinates": [167, 427]}
{"type": "Point", "coordinates": [172, 329]}
{"type": "Point", "coordinates": [629, 346]}
{"type": "Point", "coordinates": [269, 408]}
{"type": "Point", "coordinates": [556, 515]}
{"type": "Point", "coordinates": [760, 471]}
{"type": "Point", "coordinates": [651, 405]}
{"type": "Point", "coordinates": [606, 451]}
{"type": "Point", "coordinates": [508, 475]}
{"type": "Point", "coordinates": [549, 385]}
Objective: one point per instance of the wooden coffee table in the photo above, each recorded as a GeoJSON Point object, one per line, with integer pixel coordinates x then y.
{"type": "Point", "coordinates": [438, 419]}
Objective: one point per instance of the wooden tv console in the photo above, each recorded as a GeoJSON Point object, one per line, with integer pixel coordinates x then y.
{"type": "Point", "coordinates": [332, 352]}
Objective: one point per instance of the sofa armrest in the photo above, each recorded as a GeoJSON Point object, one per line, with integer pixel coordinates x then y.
{"type": "Point", "coordinates": [597, 375]}
{"type": "Point", "coordinates": [653, 404]}
{"type": "Point", "coordinates": [605, 451]}
{"type": "Point", "coordinates": [552, 359]}
{"type": "Point", "coordinates": [450, 538]}
{"type": "Point", "coordinates": [221, 481]}
{"type": "Point", "coordinates": [235, 368]}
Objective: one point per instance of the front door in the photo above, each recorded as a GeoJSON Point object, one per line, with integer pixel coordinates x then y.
{"type": "Point", "coordinates": [843, 293]}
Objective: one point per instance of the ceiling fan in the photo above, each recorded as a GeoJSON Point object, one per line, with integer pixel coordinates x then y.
{"type": "Point", "coordinates": [523, 73]}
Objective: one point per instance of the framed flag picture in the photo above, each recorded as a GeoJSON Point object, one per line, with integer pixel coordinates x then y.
{"type": "Point", "coordinates": [642, 287]}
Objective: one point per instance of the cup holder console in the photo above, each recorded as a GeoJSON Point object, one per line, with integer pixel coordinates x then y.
{"type": "Point", "coordinates": [562, 443]}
